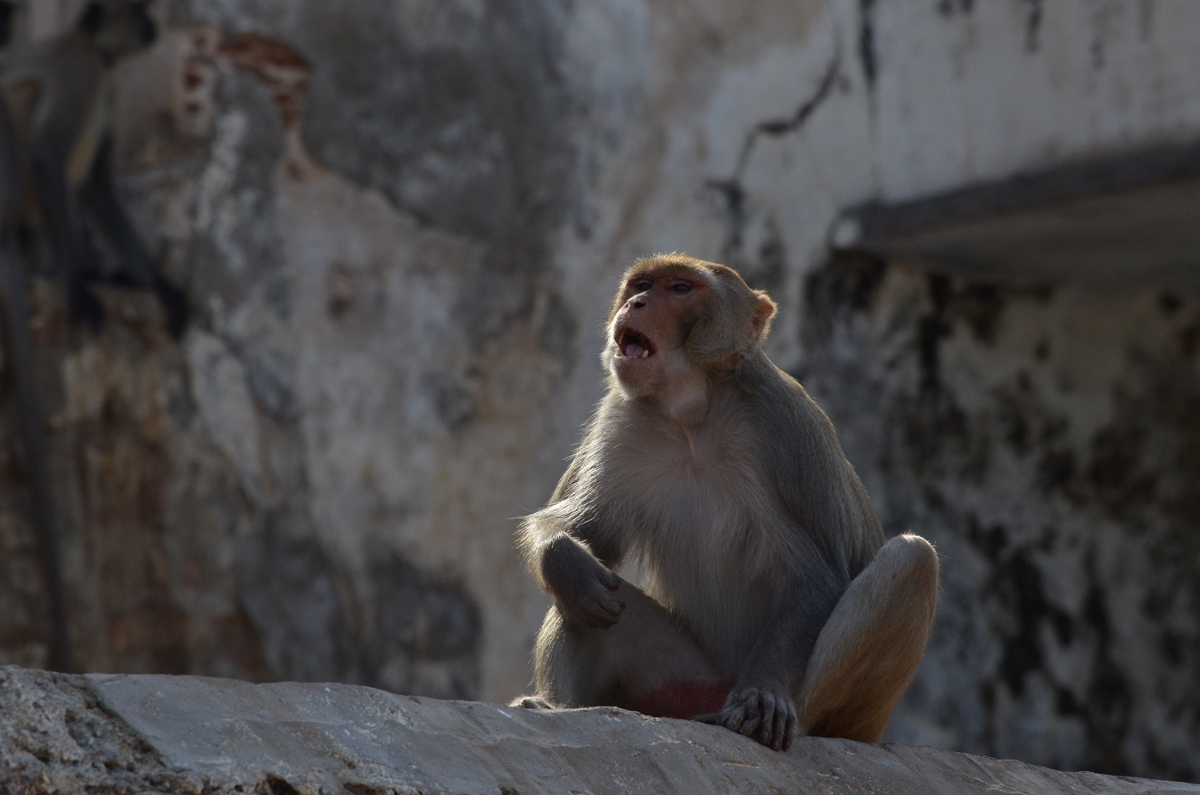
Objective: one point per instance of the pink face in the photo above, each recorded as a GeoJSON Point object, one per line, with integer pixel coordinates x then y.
{"type": "Point", "coordinates": [653, 321]}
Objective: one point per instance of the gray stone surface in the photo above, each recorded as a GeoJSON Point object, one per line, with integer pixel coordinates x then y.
{"type": "Point", "coordinates": [119, 733]}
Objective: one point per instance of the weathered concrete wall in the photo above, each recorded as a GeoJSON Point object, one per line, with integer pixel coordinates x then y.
{"type": "Point", "coordinates": [400, 222]}
{"type": "Point", "coordinates": [1048, 443]}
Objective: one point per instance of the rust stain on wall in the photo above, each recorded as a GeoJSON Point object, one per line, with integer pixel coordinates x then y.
{"type": "Point", "coordinates": [286, 74]}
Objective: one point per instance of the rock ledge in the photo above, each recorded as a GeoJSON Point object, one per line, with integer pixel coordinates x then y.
{"type": "Point", "coordinates": [116, 733]}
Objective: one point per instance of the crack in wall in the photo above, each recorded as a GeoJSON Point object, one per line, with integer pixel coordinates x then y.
{"type": "Point", "coordinates": [1033, 24]}
{"type": "Point", "coordinates": [730, 189]}
{"type": "Point", "coordinates": [866, 43]}
{"type": "Point", "coordinates": [793, 123]}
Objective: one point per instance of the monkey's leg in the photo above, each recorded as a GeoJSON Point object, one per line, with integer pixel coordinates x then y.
{"type": "Point", "coordinates": [870, 647]}
{"type": "Point", "coordinates": [644, 662]}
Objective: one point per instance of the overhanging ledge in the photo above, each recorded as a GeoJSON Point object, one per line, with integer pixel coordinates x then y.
{"type": "Point", "coordinates": [1125, 219]}
{"type": "Point", "coordinates": [105, 734]}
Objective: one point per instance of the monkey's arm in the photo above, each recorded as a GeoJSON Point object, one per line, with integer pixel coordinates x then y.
{"type": "Point", "coordinates": [58, 117]}
{"type": "Point", "coordinates": [569, 552]}
{"type": "Point", "coordinates": [836, 533]}
{"type": "Point", "coordinates": [580, 584]}
{"type": "Point", "coordinates": [100, 194]}
{"type": "Point", "coordinates": [568, 567]}
{"type": "Point", "coordinates": [761, 704]}
{"type": "Point", "coordinates": [73, 256]}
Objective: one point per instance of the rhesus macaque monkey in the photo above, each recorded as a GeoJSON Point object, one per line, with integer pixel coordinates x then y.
{"type": "Point", "coordinates": [772, 603]}
{"type": "Point", "coordinates": [61, 98]}
{"type": "Point", "coordinates": [56, 114]}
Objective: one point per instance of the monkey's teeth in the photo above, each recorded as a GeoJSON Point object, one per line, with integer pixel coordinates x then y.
{"type": "Point", "coordinates": [645, 354]}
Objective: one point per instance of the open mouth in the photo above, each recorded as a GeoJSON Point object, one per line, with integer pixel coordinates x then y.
{"type": "Point", "coordinates": [633, 344]}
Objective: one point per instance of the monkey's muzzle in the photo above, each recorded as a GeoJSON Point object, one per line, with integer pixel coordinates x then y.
{"type": "Point", "coordinates": [633, 344]}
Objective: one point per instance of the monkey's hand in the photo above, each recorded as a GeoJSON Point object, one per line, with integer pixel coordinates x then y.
{"type": "Point", "coordinates": [581, 586]}
{"type": "Point", "coordinates": [766, 714]}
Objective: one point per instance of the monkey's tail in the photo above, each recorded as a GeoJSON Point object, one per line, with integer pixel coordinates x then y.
{"type": "Point", "coordinates": [12, 272]}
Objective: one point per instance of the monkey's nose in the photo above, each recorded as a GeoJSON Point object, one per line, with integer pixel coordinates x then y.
{"type": "Point", "coordinates": [636, 303]}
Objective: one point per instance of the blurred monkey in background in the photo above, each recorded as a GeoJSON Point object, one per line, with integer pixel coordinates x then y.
{"type": "Point", "coordinates": [57, 107]}
{"type": "Point", "coordinates": [61, 99]}
{"type": "Point", "coordinates": [773, 605]}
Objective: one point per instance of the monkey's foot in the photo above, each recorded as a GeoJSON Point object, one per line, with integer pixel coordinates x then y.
{"type": "Point", "coordinates": [531, 702]}
{"type": "Point", "coordinates": [765, 714]}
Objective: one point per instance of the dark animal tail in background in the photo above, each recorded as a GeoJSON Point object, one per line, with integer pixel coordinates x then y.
{"type": "Point", "coordinates": [16, 305]}
{"type": "Point", "coordinates": [16, 309]}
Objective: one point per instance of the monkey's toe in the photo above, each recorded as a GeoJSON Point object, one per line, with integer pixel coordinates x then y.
{"type": "Point", "coordinates": [765, 716]}
{"type": "Point", "coordinates": [532, 702]}
{"type": "Point", "coordinates": [768, 709]}
{"type": "Point", "coordinates": [785, 727]}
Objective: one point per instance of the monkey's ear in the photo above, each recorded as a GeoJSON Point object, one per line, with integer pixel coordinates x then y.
{"type": "Point", "coordinates": [760, 318]}
{"type": "Point", "coordinates": [92, 18]}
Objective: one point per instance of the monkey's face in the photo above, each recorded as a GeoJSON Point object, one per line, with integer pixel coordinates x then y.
{"type": "Point", "coordinates": [675, 314]}
{"type": "Point", "coordinates": [652, 317]}
{"type": "Point", "coordinates": [119, 27]}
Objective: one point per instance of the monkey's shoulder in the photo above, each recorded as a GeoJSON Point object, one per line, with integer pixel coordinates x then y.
{"type": "Point", "coordinates": [55, 84]}
{"type": "Point", "coordinates": [58, 59]}
{"type": "Point", "coordinates": [780, 410]}
{"type": "Point", "coordinates": [806, 464]}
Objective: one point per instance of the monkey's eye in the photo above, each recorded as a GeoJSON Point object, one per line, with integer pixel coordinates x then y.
{"type": "Point", "coordinates": [642, 285]}
{"type": "Point", "coordinates": [679, 287]}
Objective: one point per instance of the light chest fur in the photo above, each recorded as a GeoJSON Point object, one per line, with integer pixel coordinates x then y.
{"type": "Point", "coordinates": [703, 507]}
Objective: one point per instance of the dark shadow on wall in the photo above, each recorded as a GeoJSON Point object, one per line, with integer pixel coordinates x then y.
{"type": "Point", "coordinates": [1048, 441]}
{"type": "Point", "coordinates": [400, 629]}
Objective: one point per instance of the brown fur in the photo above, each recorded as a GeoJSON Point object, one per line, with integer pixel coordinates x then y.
{"type": "Point", "coordinates": [724, 481]}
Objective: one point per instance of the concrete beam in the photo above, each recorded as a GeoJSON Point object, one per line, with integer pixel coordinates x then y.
{"type": "Point", "coordinates": [1126, 219]}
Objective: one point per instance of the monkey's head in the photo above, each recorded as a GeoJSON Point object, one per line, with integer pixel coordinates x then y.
{"type": "Point", "coordinates": [118, 27]}
{"type": "Point", "coordinates": [673, 311]}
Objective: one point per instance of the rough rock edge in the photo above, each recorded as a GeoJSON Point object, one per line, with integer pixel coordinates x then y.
{"type": "Point", "coordinates": [55, 736]}
{"type": "Point", "coordinates": [131, 734]}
